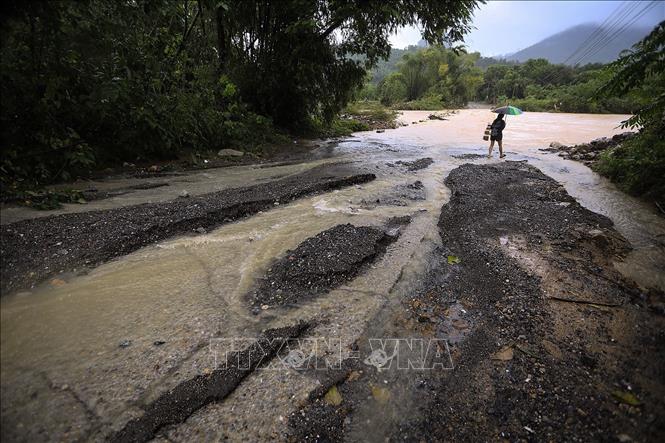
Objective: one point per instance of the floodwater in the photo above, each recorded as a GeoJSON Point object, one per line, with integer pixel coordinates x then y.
{"type": "Point", "coordinates": [86, 351]}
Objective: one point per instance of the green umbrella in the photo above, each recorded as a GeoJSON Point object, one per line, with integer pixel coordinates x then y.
{"type": "Point", "coordinates": [508, 110]}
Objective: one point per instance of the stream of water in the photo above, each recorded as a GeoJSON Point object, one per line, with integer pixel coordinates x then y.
{"type": "Point", "coordinates": [186, 290]}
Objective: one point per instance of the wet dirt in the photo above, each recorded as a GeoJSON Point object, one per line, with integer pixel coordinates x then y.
{"type": "Point", "coordinates": [321, 263]}
{"type": "Point", "coordinates": [34, 250]}
{"type": "Point", "coordinates": [525, 367]}
{"type": "Point", "coordinates": [80, 357]}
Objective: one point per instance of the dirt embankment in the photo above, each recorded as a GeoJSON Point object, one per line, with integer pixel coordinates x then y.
{"type": "Point", "coordinates": [34, 250]}
{"type": "Point", "coordinates": [548, 341]}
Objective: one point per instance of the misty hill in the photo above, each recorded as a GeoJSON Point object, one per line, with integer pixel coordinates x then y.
{"type": "Point", "coordinates": [560, 46]}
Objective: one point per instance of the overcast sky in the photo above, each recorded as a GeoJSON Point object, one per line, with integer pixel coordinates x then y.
{"type": "Point", "coordinates": [508, 26]}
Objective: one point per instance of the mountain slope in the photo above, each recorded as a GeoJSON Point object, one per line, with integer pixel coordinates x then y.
{"type": "Point", "coordinates": [560, 46]}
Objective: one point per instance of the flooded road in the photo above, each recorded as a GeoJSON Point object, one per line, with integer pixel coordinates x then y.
{"type": "Point", "coordinates": [96, 348]}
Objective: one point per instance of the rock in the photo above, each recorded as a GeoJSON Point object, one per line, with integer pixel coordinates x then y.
{"type": "Point", "coordinates": [618, 138]}
{"type": "Point", "coordinates": [230, 153]}
{"type": "Point", "coordinates": [158, 342]}
{"type": "Point", "coordinates": [58, 282]}
{"type": "Point", "coordinates": [552, 349]}
{"type": "Point", "coordinates": [380, 131]}
{"type": "Point", "coordinates": [600, 238]}
{"type": "Point", "coordinates": [124, 344]}
{"type": "Point", "coordinates": [200, 230]}
{"type": "Point", "coordinates": [183, 194]}
{"type": "Point", "coordinates": [603, 140]}
{"type": "Point", "coordinates": [504, 354]}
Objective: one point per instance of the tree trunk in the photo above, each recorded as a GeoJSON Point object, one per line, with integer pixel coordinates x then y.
{"type": "Point", "coordinates": [222, 49]}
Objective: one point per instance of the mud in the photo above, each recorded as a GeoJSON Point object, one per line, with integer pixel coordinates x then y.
{"type": "Point", "coordinates": [176, 405]}
{"type": "Point", "coordinates": [92, 194]}
{"type": "Point", "coordinates": [34, 250]}
{"type": "Point", "coordinates": [545, 341]}
{"type": "Point", "coordinates": [416, 165]}
{"type": "Point", "coordinates": [549, 342]}
{"type": "Point", "coordinates": [321, 263]}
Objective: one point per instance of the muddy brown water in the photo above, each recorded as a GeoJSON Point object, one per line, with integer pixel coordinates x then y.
{"type": "Point", "coordinates": [84, 348]}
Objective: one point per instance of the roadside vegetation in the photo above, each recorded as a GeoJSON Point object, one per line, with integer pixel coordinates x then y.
{"type": "Point", "coordinates": [638, 164]}
{"type": "Point", "coordinates": [96, 83]}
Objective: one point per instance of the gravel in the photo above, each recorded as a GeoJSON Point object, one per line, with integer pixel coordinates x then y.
{"type": "Point", "coordinates": [31, 248]}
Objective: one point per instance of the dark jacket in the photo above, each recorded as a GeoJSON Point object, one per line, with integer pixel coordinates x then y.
{"type": "Point", "coordinates": [497, 127]}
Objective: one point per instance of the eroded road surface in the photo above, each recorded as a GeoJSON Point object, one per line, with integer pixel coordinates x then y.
{"type": "Point", "coordinates": [393, 286]}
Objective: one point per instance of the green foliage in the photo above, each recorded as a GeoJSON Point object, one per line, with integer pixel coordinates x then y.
{"type": "Point", "coordinates": [430, 78]}
{"type": "Point", "coordinates": [642, 69]}
{"type": "Point", "coordinates": [45, 199]}
{"type": "Point", "coordinates": [392, 89]}
{"type": "Point", "coordinates": [339, 127]}
{"type": "Point", "coordinates": [638, 165]}
{"type": "Point", "coordinates": [429, 103]}
{"type": "Point", "coordinates": [371, 110]}
{"type": "Point", "coordinates": [298, 59]}
{"type": "Point", "coordinates": [94, 82]}
{"type": "Point", "coordinates": [538, 85]}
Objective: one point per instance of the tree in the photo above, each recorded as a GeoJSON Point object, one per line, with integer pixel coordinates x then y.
{"type": "Point", "coordinates": [644, 64]}
{"type": "Point", "coordinates": [293, 59]}
{"type": "Point", "coordinates": [392, 89]}
{"type": "Point", "coordinates": [91, 82]}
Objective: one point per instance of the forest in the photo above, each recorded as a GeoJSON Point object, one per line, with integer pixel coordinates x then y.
{"type": "Point", "coordinates": [437, 77]}
{"type": "Point", "coordinates": [94, 83]}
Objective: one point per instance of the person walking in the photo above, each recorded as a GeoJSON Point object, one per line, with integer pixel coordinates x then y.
{"type": "Point", "coordinates": [496, 135]}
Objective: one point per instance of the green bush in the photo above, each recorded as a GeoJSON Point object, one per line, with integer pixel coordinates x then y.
{"type": "Point", "coordinates": [429, 103]}
{"type": "Point", "coordinates": [531, 104]}
{"type": "Point", "coordinates": [637, 166]}
{"type": "Point", "coordinates": [372, 110]}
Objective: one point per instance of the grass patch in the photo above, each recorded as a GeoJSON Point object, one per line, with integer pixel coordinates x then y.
{"type": "Point", "coordinates": [370, 110]}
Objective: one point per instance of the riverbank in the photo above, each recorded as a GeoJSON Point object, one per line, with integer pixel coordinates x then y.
{"type": "Point", "coordinates": [636, 163]}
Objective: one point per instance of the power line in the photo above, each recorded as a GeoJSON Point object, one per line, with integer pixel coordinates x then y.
{"type": "Point", "coordinates": [619, 14]}
{"type": "Point", "coordinates": [616, 23]}
{"type": "Point", "coordinates": [610, 38]}
{"type": "Point", "coordinates": [599, 29]}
